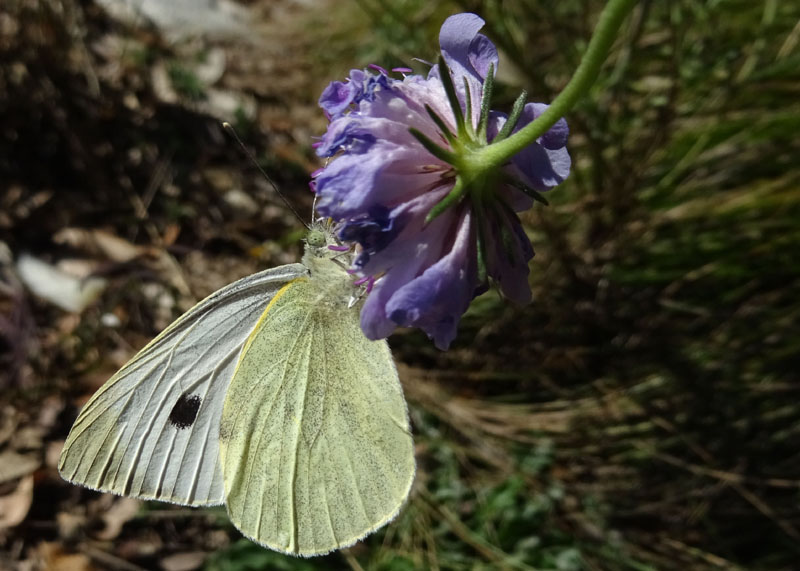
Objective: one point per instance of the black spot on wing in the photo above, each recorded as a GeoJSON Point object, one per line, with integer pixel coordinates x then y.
{"type": "Point", "coordinates": [185, 411]}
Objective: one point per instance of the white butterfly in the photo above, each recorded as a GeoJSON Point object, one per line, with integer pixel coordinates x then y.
{"type": "Point", "coordinates": [265, 397]}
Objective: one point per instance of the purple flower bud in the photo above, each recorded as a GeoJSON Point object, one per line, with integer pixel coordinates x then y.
{"type": "Point", "coordinates": [337, 97]}
{"type": "Point", "coordinates": [383, 182]}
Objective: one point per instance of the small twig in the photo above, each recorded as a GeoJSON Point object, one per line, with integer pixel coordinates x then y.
{"type": "Point", "coordinates": [728, 477]}
{"type": "Point", "coordinates": [486, 550]}
{"type": "Point", "coordinates": [737, 481]}
{"type": "Point", "coordinates": [710, 558]}
{"type": "Point", "coordinates": [110, 560]}
{"type": "Point", "coordinates": [351, 561]}
{"type": "Point", "coordinates": [141, 205]}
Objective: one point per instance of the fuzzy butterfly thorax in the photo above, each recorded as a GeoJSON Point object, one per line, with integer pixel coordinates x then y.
{"type": "Point", "coordinates": [328, 261]}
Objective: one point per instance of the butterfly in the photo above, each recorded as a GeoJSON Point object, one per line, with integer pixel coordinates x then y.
{"type": "Point", "coordinates": [265, 397]}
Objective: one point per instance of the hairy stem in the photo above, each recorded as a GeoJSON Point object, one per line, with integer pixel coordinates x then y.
{"type": "Point", "coordinates": [603, 37]}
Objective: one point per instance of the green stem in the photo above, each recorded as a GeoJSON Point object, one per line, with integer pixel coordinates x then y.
{"type": "Point", "coordinates": [596, 53]}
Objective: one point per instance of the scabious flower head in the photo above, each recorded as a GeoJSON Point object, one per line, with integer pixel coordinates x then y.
{"type": "Point", "coordinates": [432, 226]}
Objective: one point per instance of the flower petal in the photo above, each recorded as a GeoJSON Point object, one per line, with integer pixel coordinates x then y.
{"type": "Point", "coordinates": [395, 265]}
{"type": "Point", "coordinates": [337, 97]}
{"type": "Point", "coordinates": [388, 175]}
{"type": "Point", "coordinates": [508, 259]}
{"type": "Point", "coordinates": [468, 54]}
{"type": "Point", "coordinates": [482, 54]}
{"type": "Point", "coordinates": [556, 136]}
{"type": "Point", "coordinates": [435, 300]}
{"type": "Point", "coordinates": [410, 235]}
{"type": "Point", "coordinates": [375, 322]}
{"type": "Point", "coordinates": [542, 169]}
{"type": "Point", "coordinates": [463, 54]}
{"type": "Point", "coordinates": [541, 166]}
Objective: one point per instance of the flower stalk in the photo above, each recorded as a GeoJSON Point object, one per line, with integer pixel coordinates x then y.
{"type": "Point", "coordinates": [605, 33]}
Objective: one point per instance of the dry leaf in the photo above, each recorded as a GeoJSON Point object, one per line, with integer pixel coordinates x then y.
{"type": "Point", "coordinates": [228, 105]}
{"type": "Point", "coordinates": [171, 233]}
{"type": "Point", "coordinates": [101, 243]}
{"type": "Point", "coordinates": [29, 437]}
{"type": "Point", "coordinates": [14, 465]}
{"type": "Point", "coordinates": [49, 409]}
{"type": "Point", "coordinates": [211, 67]}
{"type": "Point", "coordinates": [56, 286]}
{"type": "Point", "coordinates": [183, 561]}
{"type": "Point", "coordinates": [70, 525]}
{"type": "Point", "coordinates": [121, 512]}
{"type": "Point", "coordinates": [179, 19]}
{"type": "Point", "coordinates": [14, 506]}
{"type": "Point", "coordinates": [53, 558]}
{"type": "Point", "coordinates": [8, 423]}
{"type": "Point", "coordinates": [52, 453]}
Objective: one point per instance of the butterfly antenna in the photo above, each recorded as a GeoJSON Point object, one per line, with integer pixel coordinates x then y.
{"type": "Point", "coordinates": [314, 208]}
{"type": "Point", "coordinates": [314, 203]}
{"type": "Point", "coordinates": [228, 127]}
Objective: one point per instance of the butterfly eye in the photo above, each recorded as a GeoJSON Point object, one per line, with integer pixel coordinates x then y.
{"type": "Point", "coordinates": [316, 238]}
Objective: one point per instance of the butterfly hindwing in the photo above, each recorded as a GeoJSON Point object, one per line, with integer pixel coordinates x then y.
{"type": "Point", "coordinates": [315, 441]}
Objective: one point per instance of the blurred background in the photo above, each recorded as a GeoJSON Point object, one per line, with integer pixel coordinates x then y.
{"type": "Point", "coordinates": [642, 413]}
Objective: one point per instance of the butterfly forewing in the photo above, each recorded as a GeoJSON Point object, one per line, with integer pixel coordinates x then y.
{"type": "Point", "coordinates": [315, 442]}
{"type": "Point", "coordinates": [152, 431]}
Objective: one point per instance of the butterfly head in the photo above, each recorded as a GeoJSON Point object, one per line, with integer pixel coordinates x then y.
{"type": "Point", "coordinates": [321, 242]}
{"type": "Point", "coordinates": [326, 256]}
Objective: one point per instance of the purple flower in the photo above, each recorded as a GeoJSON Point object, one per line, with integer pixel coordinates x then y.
{"type": "Point", "coordinates": [400, 147]}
